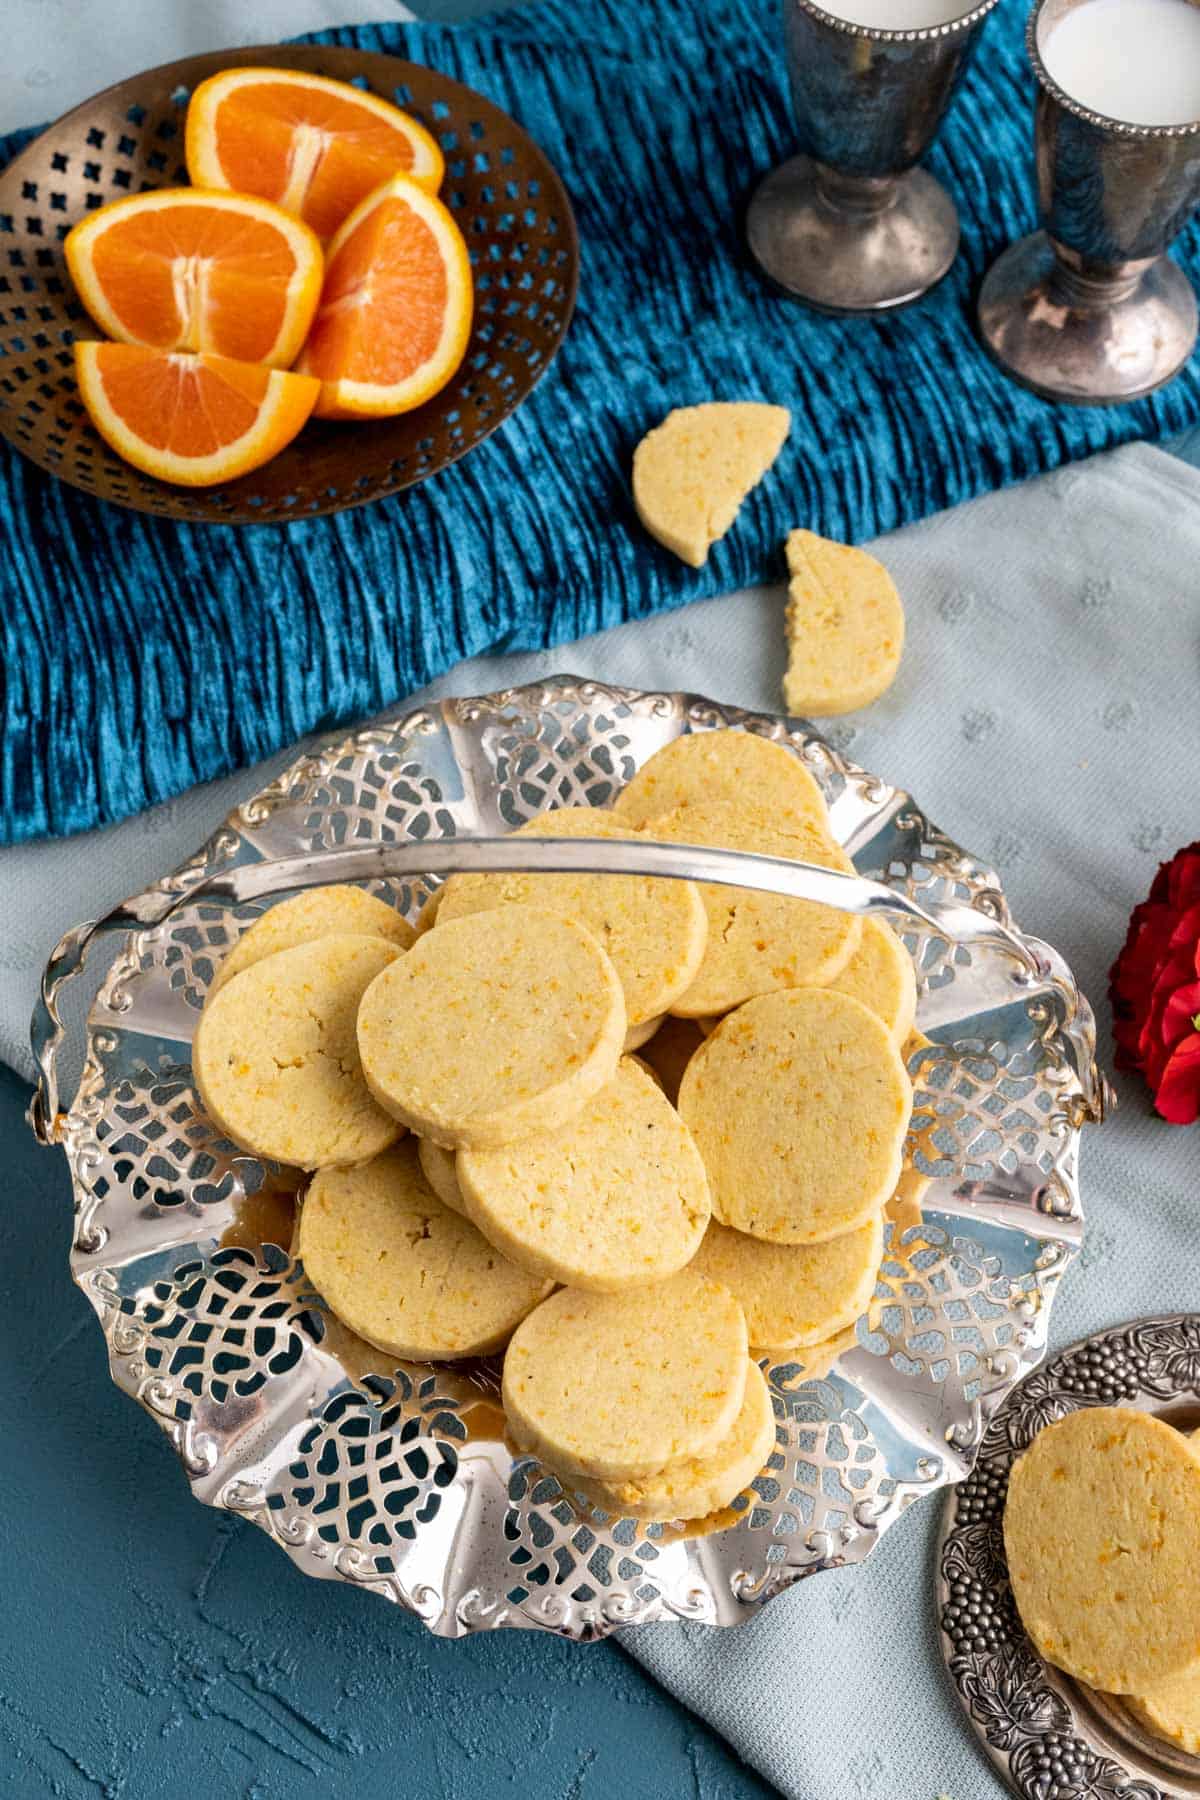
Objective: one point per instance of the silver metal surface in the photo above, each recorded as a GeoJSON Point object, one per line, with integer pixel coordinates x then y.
{"type": "Point", "coordinates": [376, 862]}
{"type": "Point", "coordinates": [275, 1409]}
{"type": "Point", "coordinates": [1091, 310]}
{"type": "Point", "coordinates": [1051, 1737]}
{"type": "Point", "coordinates": [850, 225]}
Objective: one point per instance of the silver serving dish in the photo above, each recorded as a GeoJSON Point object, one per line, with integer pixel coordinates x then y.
{"type": "Point", "coordinates": [399, 1479]}
{"type": "Point", "coordinates": [1050, 1736]}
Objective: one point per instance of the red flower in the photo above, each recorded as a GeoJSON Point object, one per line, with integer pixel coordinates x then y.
{"type": "Point", "coordinates": [1155, 989]}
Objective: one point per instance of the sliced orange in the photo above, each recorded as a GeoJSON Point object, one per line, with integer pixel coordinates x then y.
{"type": "Point", "coordinates": [314, 146]}
{"type": "Point", "coordinates": [182, 270]}
{"type": "Point", "coordinates": [190, 419]}
{"type": "Point", "coordinates": [395, 311]}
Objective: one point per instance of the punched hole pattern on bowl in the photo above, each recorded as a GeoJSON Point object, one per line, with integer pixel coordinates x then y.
{"type": "Point", "coordinates": [375, 1480]}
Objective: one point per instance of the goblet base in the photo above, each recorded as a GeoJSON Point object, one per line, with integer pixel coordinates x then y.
{"type": "Point", "coordinates": [852, 244]}
{"type": "Point", "coordinates": [1090, 342]}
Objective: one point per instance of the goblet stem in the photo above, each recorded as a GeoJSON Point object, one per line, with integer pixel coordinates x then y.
{"type": "Point", "coordinates": [1090, 309]}
{"type": "Point", "coordinates": [1093, 336]}
{"type": "Point", "coordinates": [854, 196]}
{"type": "Point", "coordinates": [852, 225]}
{"type": "Point", "coordinates": [1088, 285]}
{"type": "Point", "coordinates": [852, 243]}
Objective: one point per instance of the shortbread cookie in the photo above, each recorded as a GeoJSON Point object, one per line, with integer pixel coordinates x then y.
{"type": "Point", "coordinates": [357, 1357]}
{"type": "Point", "coordinates": [615, 1198]}
{"type": "Point", "coordinates": [492, 1027]}
{"type": "Point", "coordinates": [276, 1061]}
{"type": "Point", "coordinates": [692, 472]}
{"type": "Point", "coordinates": [845, 627]}
{"type": "Point", "coordinates": [1119, 1605]}
{"type": "Point", "coordinates": [795, 1294]}
{"type": "Point", "coordinates": [670, 1051]}
{"type": "Point", "coordinates": [654, 930]}
{"type": "Point", "coordinates": [427, 917]}
{"type": "Point", "coordinates": [402, 1270]}
{"type": "Point", "coordinates": [624, 1385]}
{"type": "Point", "coordinates": [702, 766]}
{"type": "Point", "coordinates": [705, 1483]}
{"type": "Point", "coordinates": [799, 1104]}
{"type": "Point", "coordinates": [816, 1360]}
{"type": "Point", "coordinates": [881, 975]}
{"type": "Point", "coordinates": [437, 1166]}
{"type": "Point", "coordinates": [313, 914]}
{"type": "Point", "coordinates": [758, 942]}
{"type": "Point", "coordinates": [1171, 1711]}
{"type": "Point", "coordinates": [646, 1069]}
{"type": "Point", "coordinates": [637, 1035]}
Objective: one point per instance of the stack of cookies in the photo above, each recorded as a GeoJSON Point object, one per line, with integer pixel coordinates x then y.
{"type": "Point", "coordinates": [634, 1129]}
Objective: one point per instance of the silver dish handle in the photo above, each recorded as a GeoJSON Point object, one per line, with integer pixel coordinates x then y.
{"type": "Point", "coordinates": [449, 856]}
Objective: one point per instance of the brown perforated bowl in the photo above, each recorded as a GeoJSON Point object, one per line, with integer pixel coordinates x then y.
{"type": "Point", "coordinates": [510, 206]}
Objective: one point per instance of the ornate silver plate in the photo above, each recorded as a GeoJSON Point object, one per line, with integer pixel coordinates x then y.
{"type": "Point", "coordinates": [399, 1479]}
{"type": "Point", "coordinates": [1050, 1736]}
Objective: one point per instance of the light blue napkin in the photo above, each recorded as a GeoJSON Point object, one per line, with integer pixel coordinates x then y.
{"type": "Point", "coordinates": [1046, 716]}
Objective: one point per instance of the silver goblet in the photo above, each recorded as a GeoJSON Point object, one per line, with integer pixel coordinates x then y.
{"type": "Point", "coordinates": [851, 225]}
{"type": "Point", "coordinates": [1090, 309]}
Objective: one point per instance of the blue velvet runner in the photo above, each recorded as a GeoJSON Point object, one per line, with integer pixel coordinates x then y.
{"type": "Point", "coordinates": [140, 656]}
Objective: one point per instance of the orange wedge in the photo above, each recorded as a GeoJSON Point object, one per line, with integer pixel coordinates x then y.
{"type": "Point", "coordinates": [314, 146]}
{"type": "Point", "coordinates": [193, 420]}
{"type": "Point", "coordinates": [395, 311]}
{"type": "Point", "coordinates": [183, 270]}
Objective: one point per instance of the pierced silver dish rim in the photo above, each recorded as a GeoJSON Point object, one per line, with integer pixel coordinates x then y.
{"type": "Point", "coordinates": [543, 692]}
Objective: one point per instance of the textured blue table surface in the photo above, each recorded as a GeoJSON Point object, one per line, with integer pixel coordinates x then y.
{"type": "Point", "coordinates": [169, 654]}
{"type": "Point", "coordinates": [151, 1646]}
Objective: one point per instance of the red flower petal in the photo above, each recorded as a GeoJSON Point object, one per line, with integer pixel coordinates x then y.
{"type": "Point", "coordinates": [1176, 972]}
{"type": "Point", "coordinates": [1155, 1057]}
{"type": "Point", "coordinates": [1131, 980]}
{"type": "Point", "coordinates": [1178, 1096]}
{"type": "Point", "coordinates": [1149, 933]}
{"type": "Point", "coordinates": [1183, 877]}
{"type": "Point", "coordinates": [1186, 929]}
{"type": "Point", "coordinates": [1180, 1014]}
{"type": "Point", "coordinates": [1154, 986]}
